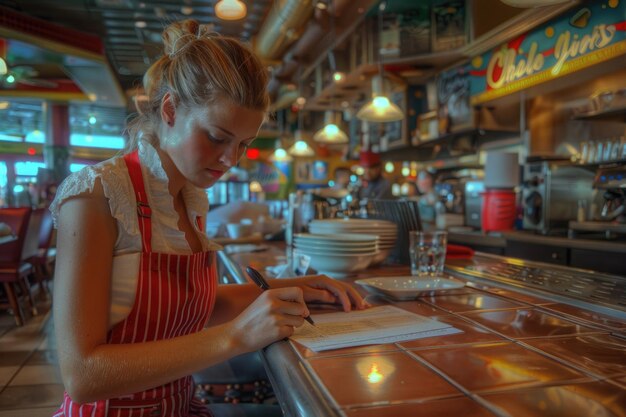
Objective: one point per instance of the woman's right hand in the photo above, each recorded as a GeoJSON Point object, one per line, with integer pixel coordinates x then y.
{"type": "Point", "coordinates": [272, 316]}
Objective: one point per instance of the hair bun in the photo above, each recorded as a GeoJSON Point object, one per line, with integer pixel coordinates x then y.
{"type": "Point", "coordinates": [180, 34]}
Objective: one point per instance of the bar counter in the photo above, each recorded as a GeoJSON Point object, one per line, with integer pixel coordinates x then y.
{"type": "Point", "coordinates": [524, 351]}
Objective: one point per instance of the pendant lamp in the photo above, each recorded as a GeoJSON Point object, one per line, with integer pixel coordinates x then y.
{"type": "Point", "coordinates": [230, 9]}
{"type": "Point", "coordinates": [280, 155]}
{"type": "Point", "coordinates": [380, 108]}
{"type": "Point", "coordinates": [331, 133]}
{"type": "Point", "coordinates": [300, 148]}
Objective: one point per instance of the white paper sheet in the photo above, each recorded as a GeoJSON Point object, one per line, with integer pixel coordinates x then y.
{"type": "Point", "coordinates": [376, 325]}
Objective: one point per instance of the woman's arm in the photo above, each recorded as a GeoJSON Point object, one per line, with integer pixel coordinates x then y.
{"type": "Point", "coordinates": [232, 299]}
{"type": "Point", "coordinates": [93, 370]}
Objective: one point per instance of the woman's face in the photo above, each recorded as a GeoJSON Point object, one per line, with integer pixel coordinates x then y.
{"type": "Point", "coordinates": [205, 142]}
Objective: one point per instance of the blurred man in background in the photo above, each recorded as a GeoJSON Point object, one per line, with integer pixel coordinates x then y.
{"type": "Point", "coordinates": [374, 184]}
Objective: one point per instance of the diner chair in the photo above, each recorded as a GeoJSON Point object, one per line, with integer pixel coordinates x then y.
{"type": "Point", "coordinates": [43, 261]}
{"type": "Point", "coordinates": [14, 271]}
{"type": "Point", "coordinates": [241, 382]}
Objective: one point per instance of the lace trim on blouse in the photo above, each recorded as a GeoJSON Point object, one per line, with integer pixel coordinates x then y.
{"type": "Point", "coordinates": [117, 188]}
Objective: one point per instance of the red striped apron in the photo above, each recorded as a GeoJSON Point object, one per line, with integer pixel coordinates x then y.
{"type": "Point", "coordinates": [175, 296]}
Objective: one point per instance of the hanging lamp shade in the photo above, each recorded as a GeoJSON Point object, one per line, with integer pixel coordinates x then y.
{"type": "Point", "coordinates": [3, 66]}
{"type": "Point", "coordinates": [280, 155]}
{"type": "Point", "coordinates": [379, 109]}
{"type": "Point", "coordinates": [230, 9]}
{"type": "Point", "coordinates": [331, 133]}
{"type": "Point", "coordinates": [300, 148]}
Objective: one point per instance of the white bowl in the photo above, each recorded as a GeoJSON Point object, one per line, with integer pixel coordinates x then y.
{"type": "Point", "coordinates": [319, 249]}
{"type": "Point", "coordinates": [338, 265]}
{"type": "Point", "coordinates": [332, 238]}
{"type": "Point", "coordinates": [335, 245]}
{"type": "Point", "coordinates": [354, 223]}
{"type": "Point", "coordinates": [381, 255]}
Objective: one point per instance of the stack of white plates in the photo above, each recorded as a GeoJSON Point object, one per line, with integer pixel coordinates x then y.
{"type": "Point", "coordinates": [337, 255]}
{"type": "Point", "coordinates": [386, 231]}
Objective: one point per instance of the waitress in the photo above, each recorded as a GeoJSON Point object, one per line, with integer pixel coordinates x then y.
{"type": "Point", "coordinates": [137, 307]}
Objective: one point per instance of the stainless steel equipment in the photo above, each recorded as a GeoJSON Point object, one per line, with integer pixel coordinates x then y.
{"type": "Point", "coordinates": [612, 180]}
{"type": "Point", "coordinates": [551, 193]}
{"type": "Point", "coordinates": [602, 293]}
{"type": "Point", "coordinates": [610, 186]}
{"type": "Point", "coordinates": [473, 203]}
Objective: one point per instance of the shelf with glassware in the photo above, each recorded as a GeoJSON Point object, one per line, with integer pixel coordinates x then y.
{"type": "Point", "coordinates": [607, 105]}
{"type": "Point", "coordinates": [398, 37]}
{"type": "Point", "coordinates": [431, 49]}
{"type": "Point", "coordinates": [614, 114]}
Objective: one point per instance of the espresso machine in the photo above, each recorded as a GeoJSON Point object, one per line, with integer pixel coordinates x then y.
{"type": "Point", "coordinates": [610, 217]}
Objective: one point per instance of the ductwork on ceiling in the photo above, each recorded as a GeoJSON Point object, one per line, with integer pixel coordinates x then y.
{"type": "Point", "coordinates": [282, 27]}
{"type": "Point", "coordinates": [277, 35]}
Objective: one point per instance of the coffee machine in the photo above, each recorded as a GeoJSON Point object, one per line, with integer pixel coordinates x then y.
{"type": "Point", "coordinates": [551, 192]}
{"type": "Point", "coordinates": [612, 180]}
{"type": "Point", "coordinates": [610, 217]}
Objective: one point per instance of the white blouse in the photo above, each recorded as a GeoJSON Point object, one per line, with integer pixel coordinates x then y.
{"type": "Point", "coordinates": [166, 237]}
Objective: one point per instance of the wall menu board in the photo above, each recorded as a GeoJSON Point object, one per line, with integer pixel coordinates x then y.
{"type": "Point", "coordinates": [453, 95]}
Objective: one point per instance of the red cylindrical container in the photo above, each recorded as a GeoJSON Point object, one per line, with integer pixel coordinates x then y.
{"type": "Point", "coordinates": [498, 210]}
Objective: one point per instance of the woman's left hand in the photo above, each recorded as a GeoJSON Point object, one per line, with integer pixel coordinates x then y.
{"type": "Point", "coordinates": [322, 289]}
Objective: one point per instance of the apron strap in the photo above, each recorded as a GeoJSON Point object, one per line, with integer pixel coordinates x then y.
{"type": "Point", "coordinates": [144, 213]}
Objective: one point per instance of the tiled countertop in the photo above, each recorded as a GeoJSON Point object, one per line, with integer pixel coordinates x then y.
{"type": "Point", "coordinates": [520, 354]}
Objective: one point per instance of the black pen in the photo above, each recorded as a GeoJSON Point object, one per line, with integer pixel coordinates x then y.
{"type": "Point", "coordinates": [260, 281]}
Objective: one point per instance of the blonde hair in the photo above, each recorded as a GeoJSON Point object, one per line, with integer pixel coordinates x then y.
{"type": "Point", "coordinates": [198, 68]}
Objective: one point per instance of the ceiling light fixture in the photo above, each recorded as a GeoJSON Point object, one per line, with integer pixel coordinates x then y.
{"type": "Point", "coordinates": [339, 76]}
{"type": "Point", "coordinates": [300, 148]}
{"type": "Point", "coordinates": [380, 109]}
{"type": "Point", "coordinates": [331, 133]}
{"type": "Point", "coordinates": [140, 24]}
{"type": "Point", "coordinates": [230, 9]}
{"type": "Point", "coordinates": [280, 154]}
{"type": "Point", "coordinates": [3, 66]}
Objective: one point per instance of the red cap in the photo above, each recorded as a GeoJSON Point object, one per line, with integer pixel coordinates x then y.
{"type": "Point", "coordinates": [369, 159]}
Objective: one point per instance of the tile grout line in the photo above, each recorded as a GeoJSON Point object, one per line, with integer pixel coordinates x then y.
{"type": "Point", "coordinates": [40, 338]}
{"type": "Point", "coordinates": [494, 409]}
{"type": "Point", "coordinates": [21, 366]}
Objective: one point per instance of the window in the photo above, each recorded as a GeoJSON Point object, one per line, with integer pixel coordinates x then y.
{"type": "Point", "coordinates": [35, 136]}
{"type": "Point", "coordinates": [26, 171]}
{"type": "Point", "coordinates": [97, 141]}
{"type": "Point", "coordinates": [10, 138]}
{"type": "Point", "coordinates": [77, 167]}
{"type": "Point", "coordinates": [4, 178]}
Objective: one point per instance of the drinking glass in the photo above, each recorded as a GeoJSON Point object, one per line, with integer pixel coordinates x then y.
{"type": "Point", "coordinates": [428, 253]}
